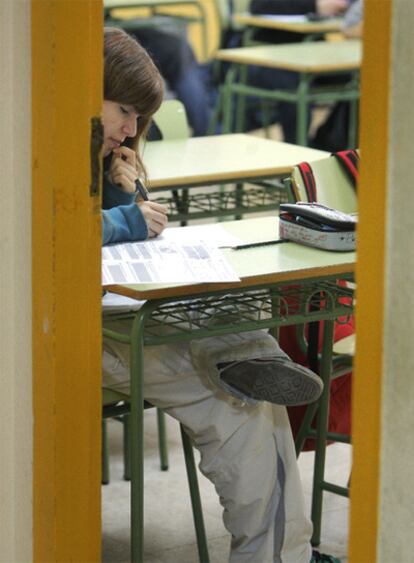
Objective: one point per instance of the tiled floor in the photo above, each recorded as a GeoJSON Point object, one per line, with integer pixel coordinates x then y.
{"type": "Point", "coordinates": [169, 531]}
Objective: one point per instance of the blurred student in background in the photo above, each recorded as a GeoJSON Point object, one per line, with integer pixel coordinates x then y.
{"type": "Point", "coordinates": [273, 79]}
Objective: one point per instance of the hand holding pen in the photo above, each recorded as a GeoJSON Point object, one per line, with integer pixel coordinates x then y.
{"type": "Point", "coordinates": [123, 170]}
{"type": "Point", "coordinates": [155, 214]}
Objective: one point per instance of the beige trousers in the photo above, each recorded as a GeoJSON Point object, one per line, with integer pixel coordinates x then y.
{"type": "Point", "coordinates": [247, 451]}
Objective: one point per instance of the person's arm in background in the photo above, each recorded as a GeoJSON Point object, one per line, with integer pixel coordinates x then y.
{"type": "Point", "coordinates": [353, 20]}
{"type": "Point", "coordinates": [286, 7]}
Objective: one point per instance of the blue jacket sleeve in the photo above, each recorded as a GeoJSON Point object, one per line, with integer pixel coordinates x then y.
{"type": "Point", "coordinates": [123, 223]}
{"type": "Point", "coordinates": [113, 196]}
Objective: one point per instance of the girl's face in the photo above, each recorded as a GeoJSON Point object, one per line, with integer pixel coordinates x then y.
{"type": "Point", "coordinates": [119, 122]}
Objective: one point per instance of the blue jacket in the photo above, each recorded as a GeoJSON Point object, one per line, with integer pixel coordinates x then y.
{"type": "Point", "coordinates": [122, 219]}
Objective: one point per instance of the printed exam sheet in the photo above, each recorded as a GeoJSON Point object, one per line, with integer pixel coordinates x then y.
{"type": "Point", "coordinates": [164, 261]}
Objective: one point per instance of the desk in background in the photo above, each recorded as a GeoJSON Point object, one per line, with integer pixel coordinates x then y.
{"type": "Point", "coordinates": [222, 159]}
{"type": "Point", "coordinates": [156, 8]}
{"type": "Point", "coordinates": [309, 60]}
{"type": "Point", "coordinates": [309, 29]}
{"type": "Point", "coordinates": [280, 285]}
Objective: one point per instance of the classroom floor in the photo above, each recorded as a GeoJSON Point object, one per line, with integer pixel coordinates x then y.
{"type": "Point", "coordinates": [169, 531]}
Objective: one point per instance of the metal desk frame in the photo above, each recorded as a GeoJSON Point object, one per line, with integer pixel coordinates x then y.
{"type": "Point", "coordinates": [188, 317]}
{"type": "Point", "coordinates": [218, 160]}
{"type": "Point", "coordinates": [236, 86]}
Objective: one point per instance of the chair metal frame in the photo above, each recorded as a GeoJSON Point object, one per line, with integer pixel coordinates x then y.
{"type": "Point", "coordinates": [117, 406]}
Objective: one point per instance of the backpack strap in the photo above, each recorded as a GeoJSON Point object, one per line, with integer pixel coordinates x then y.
{"type": "Point", "coordinates": [349, 161]}
{"type": "Point", "coordinates": [308, 181]}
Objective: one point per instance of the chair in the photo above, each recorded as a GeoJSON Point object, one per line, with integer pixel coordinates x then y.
{"type": "Point", "coordinates": [171, 120]}
{"type": "Point", "coordinates": [115, 405]}
{"type": "Point", "coordinates": [334, 189]}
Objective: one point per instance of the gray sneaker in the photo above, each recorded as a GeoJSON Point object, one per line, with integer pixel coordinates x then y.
{"type": "Point", "coordinates": [277, 380]}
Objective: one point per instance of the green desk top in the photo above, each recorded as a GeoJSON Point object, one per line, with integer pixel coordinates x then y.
{"type": "Point", "coordinates": [313, 57]}
{"type": "Point", "coordinates": [221, 158]}
{"type": "Point", "coordinates": [305, 27]}
{"type": "Point", "coordinates": [258, 265]}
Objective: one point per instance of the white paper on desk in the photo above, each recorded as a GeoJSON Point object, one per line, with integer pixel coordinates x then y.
{"type": "Point", "coordinates": [212, 235]}
{"type": "Point", "coordinates": [287, 19]}
{"type": "Point", "coordinates": [161, 261]}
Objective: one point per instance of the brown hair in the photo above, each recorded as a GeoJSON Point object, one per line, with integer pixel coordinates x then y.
{"type": "Point", "coordinates": [131, 78]}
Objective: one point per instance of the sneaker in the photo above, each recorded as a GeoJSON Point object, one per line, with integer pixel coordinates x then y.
{"type": "Point", "coordinates": [323, 558]}
{"type": "Point", "coordinates": [277, 380]}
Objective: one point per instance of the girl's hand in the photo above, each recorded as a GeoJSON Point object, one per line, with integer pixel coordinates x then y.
{"type": "Point", "coordinates": [123, 170]}
{"type": "Point", "coordinates": [155, 216]}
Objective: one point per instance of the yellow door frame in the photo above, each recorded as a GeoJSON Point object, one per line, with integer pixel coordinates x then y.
{"type": "Point", "coordinates": [370, 273]}
{"type": "Point", "coordinates": [66, 93]}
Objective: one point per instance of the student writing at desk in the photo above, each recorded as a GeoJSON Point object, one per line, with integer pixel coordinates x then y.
{"type": "Point", "coordinates": [246, 445]}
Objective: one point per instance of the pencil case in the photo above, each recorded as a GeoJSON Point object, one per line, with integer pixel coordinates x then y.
{"type": "Point", "coordinates": [317, 225]}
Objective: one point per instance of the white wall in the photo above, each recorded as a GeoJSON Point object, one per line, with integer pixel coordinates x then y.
{"type": "Point", "coordinates": [396, 537]}
{"type": "Point", "coordinates": [15, 283]}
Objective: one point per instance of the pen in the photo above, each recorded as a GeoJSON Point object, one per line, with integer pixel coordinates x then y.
{"type": "Point", "coordinates": [142, 190]}
{"type": "Point", "coordinates": [139, 186]}
{"type": "Point", "coordinates": [264, 243]}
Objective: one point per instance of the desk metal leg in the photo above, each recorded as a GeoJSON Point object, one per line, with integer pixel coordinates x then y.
{"type": "Point", "coordinates": [105, 454]}
{"type": "Point", "coordinates": [241, 100]}
{"type": "Point", "coordinates": [126, 420]}
{"type": "Point", "coordinates": [137, 438]}
{"type": "Point", "coordinates": [321, 431]}
{"type": "Point", "coordinates": [227, 95]}
{"type": "Point", "coordinates": [162, 440]}
{"type": "Point", "coordinates": [353, 116]}
{"type": "Point", "coordinates": [302, 110]}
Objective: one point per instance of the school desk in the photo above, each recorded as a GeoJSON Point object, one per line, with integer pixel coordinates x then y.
{"type": "Point", "coordinates": [310, 29]}
{"type": "Point", "coordinates": [221, 159]}
{"type": "Point", "coordinates": [281, 284]}
{"type": "Point", "coordinates": [310, 60]}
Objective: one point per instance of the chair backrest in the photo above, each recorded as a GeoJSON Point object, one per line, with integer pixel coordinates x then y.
{"type": "Point", "coordinates": [171, 120]}
{"type": "Point", "coordinates": [223, 9]}
{"type": "Point", "coordinates": [333, 187]}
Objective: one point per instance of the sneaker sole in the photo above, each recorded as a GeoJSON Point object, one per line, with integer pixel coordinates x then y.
{"type": "Point", "coordinates": [285, 384]}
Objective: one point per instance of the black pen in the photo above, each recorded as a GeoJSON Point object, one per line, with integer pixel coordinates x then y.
{"type": "Point", "coordinates": [142, 190]}
{"type": "Point", "coordinates": [264, 243]}
{"type": "Point", "coordinates": [139, 186]}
